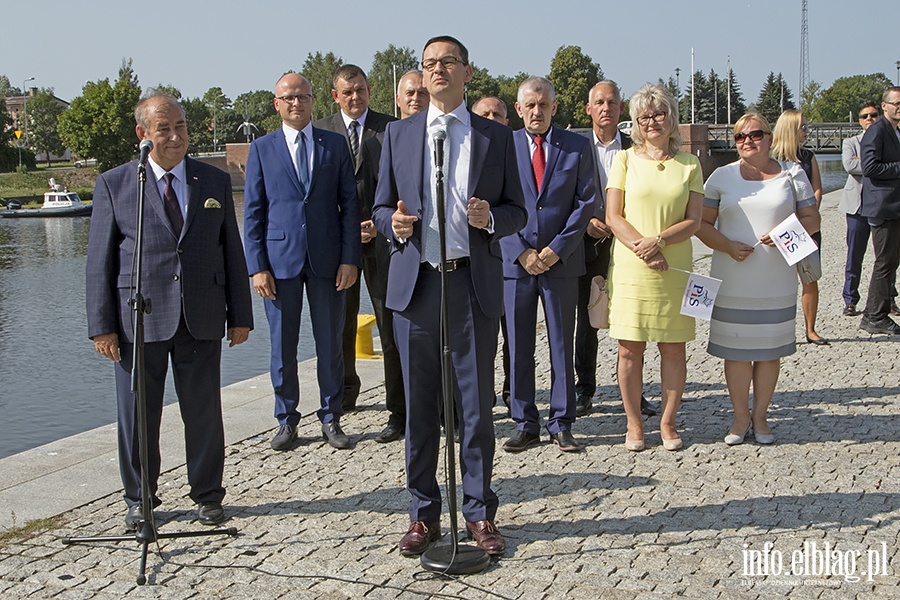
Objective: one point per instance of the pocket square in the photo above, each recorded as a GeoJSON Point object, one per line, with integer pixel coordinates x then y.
{"type": "Point", "coordinates": [211, 203]}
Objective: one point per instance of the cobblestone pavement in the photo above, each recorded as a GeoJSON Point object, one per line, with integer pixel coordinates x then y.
{"type": "Point", "coordinates": [322, 523]}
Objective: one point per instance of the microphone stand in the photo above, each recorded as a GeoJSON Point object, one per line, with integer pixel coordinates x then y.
{"type": "Point", "coordinates": [455, 559]}
{"type": "Point", "coordinates": [146, 530]}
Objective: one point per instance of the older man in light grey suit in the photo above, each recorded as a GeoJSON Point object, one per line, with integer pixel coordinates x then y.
{"type": "Point", "coordinates": [857, 225]}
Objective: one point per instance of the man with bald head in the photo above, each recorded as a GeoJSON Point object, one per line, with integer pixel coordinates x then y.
{"type": "Point", "coordinates": [301, 231]}
{"type": "Point", "coordinates": [196, 280]}
{"type": "Point", "coordinates": [493, 108]}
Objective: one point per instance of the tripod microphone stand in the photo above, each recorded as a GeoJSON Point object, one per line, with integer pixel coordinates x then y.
{"type": "Point", "coordinates": [146, 530]}
{"type": "Point", "coordinates": [455, 559]}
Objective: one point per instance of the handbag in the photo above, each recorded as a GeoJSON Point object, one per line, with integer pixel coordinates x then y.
{"type": "Point", "coordinates": [598, 303]}
{"type": "Point", "coordinates": [810, 268]}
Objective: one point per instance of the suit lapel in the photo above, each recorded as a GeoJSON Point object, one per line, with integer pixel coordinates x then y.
{"type": "Point", "coordinates": [192, 176]}
{"type": "Point", "coordinates": [481, 141]}
{"type": "Point", "coordinates": [523, 157]}
{"type": "Point", "coordinates": [553, 151]}
{"type": "Point", "coordinates": [155, 201]}
{"type": "Point", "coordinates": [281, 150]}
{"type": "Point", "coordinates": [412, 141]}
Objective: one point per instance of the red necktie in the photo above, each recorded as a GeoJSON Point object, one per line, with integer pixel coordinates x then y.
{"type": "Point", "coordinates": [173, 209]}
{"type": "Point", "coordinates": [538, 162]}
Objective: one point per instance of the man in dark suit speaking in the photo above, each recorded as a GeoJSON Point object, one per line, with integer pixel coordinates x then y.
{"type": "Point", "coordinates": [301, 229]}
{"type": "Point", "coordinates": [196, 279]}
{"type": "Point", "coordinates": [483, 203]}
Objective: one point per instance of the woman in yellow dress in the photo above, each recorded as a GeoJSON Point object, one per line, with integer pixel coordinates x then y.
{"type": "Point", "coordinates": [653, 206]}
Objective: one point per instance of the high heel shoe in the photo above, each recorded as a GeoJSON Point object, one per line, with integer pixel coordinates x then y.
{"type": "Point", "coordinates": [672, 444]}
{"type": "Point", "coordinates": [634, 445]}
{"type": "Point", "coordinates": [766, 439]}
{"type": "Point", "coordinates": [733, 439]}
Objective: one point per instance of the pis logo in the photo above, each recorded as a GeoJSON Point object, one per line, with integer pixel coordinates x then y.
{"type": "Point", "coordinates": [791, 240]}
{"type": "Point", "coordinates": [699, 295]}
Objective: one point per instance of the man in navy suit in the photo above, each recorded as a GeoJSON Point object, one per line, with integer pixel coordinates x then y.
{"type": "Point", "coordinates": [195, 281]}
{"type": "Point", "coordinates": [357, 124]}
{"type": "Point", "coordinates": [301, 230]}
{"type": "Point", "coordinates": [879, 153]}
{"type": "Point", "coordinates": [483, 203]}
{"type": "Point", "coordinates": [544, 260]}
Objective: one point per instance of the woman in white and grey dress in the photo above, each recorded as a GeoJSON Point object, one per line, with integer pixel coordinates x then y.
{"type": "Point", "coordinates": [753, 321]}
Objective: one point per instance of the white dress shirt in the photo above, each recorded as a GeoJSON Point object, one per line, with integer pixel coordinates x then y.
{"type": "Point", "coordinates": [179, 184]}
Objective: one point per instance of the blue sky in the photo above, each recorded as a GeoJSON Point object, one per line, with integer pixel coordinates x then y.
{"type": "Point", "coordinates": [243, 46]}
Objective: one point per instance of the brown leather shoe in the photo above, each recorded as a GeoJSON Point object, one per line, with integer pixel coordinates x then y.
{"type": "Point", "coordinates": [419, 536]}
{"type": "Point", "coordinates": [486, 537]}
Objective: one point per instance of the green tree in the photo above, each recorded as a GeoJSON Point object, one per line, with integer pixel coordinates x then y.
{"type": "Point", "coordinates": [508, 91]}
{"type": "Point", "coordinates": [738, 102]}
{"type": "Point", "coordinates": [573, 74]}
{"type": "Point", "coordinates": [7, 135]}
{"type": "Point", "coordinates": [699, 86]}
{"type": "Point", "coordinates": [844, 96]}
{"type": "Point", "coordinates": [319, 70]}
{"type": "Point", "coordinates": [256, 108]}
{"type": "Point", "coordinates": [774, 98]}
{"type": "Point", "coordinates": [7, 89]}
{"type": "Point", "coordinates": [219, 105]}
{"type": "Point", "coordinates": [198, 118]}
{"type": "Point", "coordinates": [168, 88]}
{"type": "Point", "coordinates": [482, 84]}
{"type": "Point", "coordinates": [100, 123]}
{"type": "Point", "coordinates": [44, 109]}
{"type": "Point", "coordinates": [381, 75]}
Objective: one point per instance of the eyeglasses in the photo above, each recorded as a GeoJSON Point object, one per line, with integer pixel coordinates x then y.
{"type": "Point", "coordinates": [894, 104]}
{"type": "Point", "coordinates": [302, 98]}
{"type": "Point", "coordinates": [448, 62]}
{"type": "Point", "coordinates": [656, 117]}
{"type": "Point", "coordinates": [754, 136]}
{"type": "Point", "coordinates": [871, 115]}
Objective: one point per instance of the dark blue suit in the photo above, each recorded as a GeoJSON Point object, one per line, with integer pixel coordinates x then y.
{"type": "Point", "coordinates": [302, 241]}
{"type": "Point", "coordinates": [879, 153]}
{"type": "Point", "coordinates": [196, 281]}
{"type": "Point", "coordinates": [557, 218]}
{"type": "Point", "coordinates": [475, 305]}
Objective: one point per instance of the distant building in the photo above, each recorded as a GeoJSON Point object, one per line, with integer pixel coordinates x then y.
{"type": "Point", "coordinates": [16, 105]}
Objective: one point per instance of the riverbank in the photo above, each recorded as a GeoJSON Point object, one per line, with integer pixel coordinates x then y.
{"type": "Point", "coordinates": [322, 523]}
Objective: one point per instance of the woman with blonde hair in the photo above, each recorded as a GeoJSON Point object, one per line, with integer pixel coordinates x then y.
{"type": "Point", "coordinates": [787, 139]}
{"type": "Point", "coordinates": [753, 322]}
{"type": "Point", "coordinates": [653, 206]}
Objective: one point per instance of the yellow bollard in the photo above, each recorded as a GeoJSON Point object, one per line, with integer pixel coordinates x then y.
{"type": "Point", "coordinates": [364, 345]}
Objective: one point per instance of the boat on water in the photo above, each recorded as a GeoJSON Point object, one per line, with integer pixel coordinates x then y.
{"type": "Point", "coordinates": [58, 202]}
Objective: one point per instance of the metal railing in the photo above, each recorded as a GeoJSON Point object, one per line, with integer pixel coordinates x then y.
{"type": "Point", "coordinates": [823, 138]}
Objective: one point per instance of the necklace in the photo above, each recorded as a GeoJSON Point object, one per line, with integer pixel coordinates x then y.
{"type": "Point", "coordinates": [659, 163]}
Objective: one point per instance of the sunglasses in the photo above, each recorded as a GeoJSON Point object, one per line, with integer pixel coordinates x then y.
{"type": "Point", "coordinates": [871, 115]}
{"type": "Point", "coordinates": [753, 136]}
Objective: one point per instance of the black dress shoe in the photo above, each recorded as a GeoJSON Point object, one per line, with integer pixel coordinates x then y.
{"type": "Point", "coordinates": [885, 325]}
{"type": "Point", "coordinates": [895, 310]}
{"type": "Point", "coordinates": [565, 440]}
{"type": "Point", "coordinates": [210, 513]}
{"type": "Point", "coordinates": [391, 433]}
{"type": "Point", "coordinates": [335, 436]}
{"type": "Point", "coordinates": [818, 342]}
{"type": "Point", "coordinates": [285, 438]}
{"type": "Point", "coordinates": [418, 537]}
{"type": "Point", "coordinates": [133, 517]}
{"type": "Point", "coordinates": [850, 311]}
{"type": "Point", "coordinates": [582, 405]}
{"type": "Point", "coordinates": [647, 409]}
{"type": "Point", "coordinates": [520, 441]}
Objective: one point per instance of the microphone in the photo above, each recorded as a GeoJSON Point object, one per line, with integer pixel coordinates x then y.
{"type": "Point", "coordinates": [145, 147]}
{"type": "Point", "coordinates": [439, 136]}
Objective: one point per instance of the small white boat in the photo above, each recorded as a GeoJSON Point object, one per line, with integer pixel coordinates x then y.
{"type": "Point", "coordinates": [58, 202]}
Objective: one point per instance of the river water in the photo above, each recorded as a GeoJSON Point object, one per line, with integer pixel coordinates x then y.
{"type": "Point", "coordinates": [52, 382]}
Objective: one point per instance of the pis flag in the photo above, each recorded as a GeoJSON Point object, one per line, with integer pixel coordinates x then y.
{"type": "Point", "coordinates": [792, 240]}
{"type": "Point", "coordinates": [700, 296]}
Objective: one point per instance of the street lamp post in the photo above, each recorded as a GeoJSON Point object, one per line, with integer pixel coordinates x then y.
{"type": "Point", "coordinates": [678, 82]}
{"type": "Point", "coordinates": [898, 72]}
{"type": "Point", "coordinates": [25, 107]}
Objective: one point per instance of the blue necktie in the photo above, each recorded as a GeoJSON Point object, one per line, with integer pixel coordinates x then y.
{"type": "Point", "coordinates": [302, 164]}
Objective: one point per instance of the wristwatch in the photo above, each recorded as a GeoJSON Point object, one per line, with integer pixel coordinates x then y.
{"type": "Point", "coordinates": [660, 242]}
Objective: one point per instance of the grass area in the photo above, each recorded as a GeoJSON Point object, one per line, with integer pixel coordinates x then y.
{"type": "Point", "coordinates": [29, 530]}
{"type": "Point", "coordinates": [34, 183]}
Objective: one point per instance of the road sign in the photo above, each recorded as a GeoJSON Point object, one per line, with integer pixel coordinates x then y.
{"type": "Point", "coordinates": [18, 133]}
